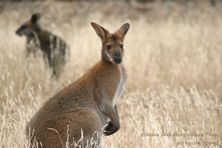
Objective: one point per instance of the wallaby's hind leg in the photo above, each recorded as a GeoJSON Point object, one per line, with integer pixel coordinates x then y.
{"type": "Point", "coordinates": [69, 128]}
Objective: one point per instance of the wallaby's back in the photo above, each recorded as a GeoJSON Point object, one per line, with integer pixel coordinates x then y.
{"type": "Point", "coordinates": [73, 108]}
{"type": "Point", "coordinates": [65, 115]}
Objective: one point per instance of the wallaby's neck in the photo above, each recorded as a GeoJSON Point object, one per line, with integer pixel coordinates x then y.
{"type": "Point", "coordinates": [34, 34]}
{"type": "Point", "coordinates": [36, 31]}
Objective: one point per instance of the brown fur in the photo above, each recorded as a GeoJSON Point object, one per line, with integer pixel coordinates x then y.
{"type": "Point", "coordinates": [86, 104]}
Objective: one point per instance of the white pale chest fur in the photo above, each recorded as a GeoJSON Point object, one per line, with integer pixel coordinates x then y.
{"type": "Point", "coordinates": [120, 85]}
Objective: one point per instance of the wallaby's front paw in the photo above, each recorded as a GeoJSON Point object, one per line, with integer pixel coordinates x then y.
{"type": "Point", "coordinates": [110, 129]}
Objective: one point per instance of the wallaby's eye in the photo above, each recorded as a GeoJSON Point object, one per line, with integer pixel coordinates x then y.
{"type": "Point", "coordinates": [108, 47]}
{"type": "Point", "coordinates": [121, 46]}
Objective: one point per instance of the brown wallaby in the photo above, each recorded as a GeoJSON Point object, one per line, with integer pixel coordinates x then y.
{"type": "Point", "coordinates": [54, 49]}
{"type": "Point", "coordinates": [88, 104]}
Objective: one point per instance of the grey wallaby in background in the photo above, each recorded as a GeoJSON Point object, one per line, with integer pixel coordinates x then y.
{"type": "Point", "coordinates": [54, 49]}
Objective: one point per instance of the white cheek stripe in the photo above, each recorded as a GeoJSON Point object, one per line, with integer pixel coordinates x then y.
{"type": "Point", "coordinates": [108, 55]}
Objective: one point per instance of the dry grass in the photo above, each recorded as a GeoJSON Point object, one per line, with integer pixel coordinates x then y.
{"type": "Point", "coordinates": [173, 58]}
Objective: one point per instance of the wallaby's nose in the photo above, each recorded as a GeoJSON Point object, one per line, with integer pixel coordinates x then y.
{"type": "Point", "coordinates": [117, 58]}
{"type": "Point", "coordinates": [18, 32]}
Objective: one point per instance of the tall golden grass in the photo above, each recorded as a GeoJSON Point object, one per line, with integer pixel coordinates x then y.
{"type": "Point", "coordinates": [173, 59]}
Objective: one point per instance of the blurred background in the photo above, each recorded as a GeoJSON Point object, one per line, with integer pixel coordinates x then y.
{"type": "Point", "coordinates": [173, 56]}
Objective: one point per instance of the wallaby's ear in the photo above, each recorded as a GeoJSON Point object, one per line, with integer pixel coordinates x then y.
{"type": "Point", "coordinates": [123, 30]}
{"type": "Point", "coordinates": [100, 31]}
{"type": "Point", "coordinates": [35, 17]}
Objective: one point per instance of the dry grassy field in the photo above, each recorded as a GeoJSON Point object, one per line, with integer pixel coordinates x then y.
{"type": "Point", "coordinates": [173, 56]}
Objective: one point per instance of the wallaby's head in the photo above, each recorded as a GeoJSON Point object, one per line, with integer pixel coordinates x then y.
{"type": "Point", "coordinates": [112, 43]}
{"type": "Point", "coordinates": [27, 28]}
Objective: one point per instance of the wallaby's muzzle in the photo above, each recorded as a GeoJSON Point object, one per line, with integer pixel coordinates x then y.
{"type": "Point", "coordinates": [23, 30]}
{"type": "Point", "coordinates": [117, 58]}
{"type": "Point", "coordinates": [18, 32]}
